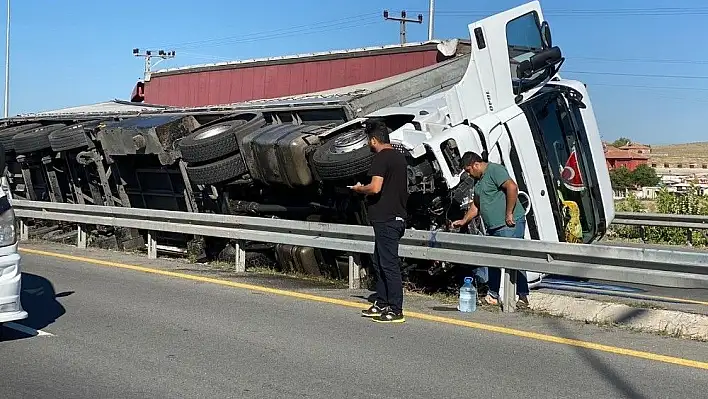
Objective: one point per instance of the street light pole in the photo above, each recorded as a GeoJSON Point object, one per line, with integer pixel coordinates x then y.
{"type": "Point", "coordinates": [431, 14]}
{"type": "Point", "coordinates": [7, 63]}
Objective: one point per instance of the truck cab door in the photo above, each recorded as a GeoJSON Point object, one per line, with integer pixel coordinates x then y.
{"type": "Point", "coordinates": [512, 57]}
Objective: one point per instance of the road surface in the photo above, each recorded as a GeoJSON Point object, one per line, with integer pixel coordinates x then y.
{"type": "Point", "coordinates": [113, 332]}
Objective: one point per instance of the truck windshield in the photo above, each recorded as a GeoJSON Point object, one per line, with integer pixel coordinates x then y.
{"type": "Point", "coordinates": [565, 155]}
{"type": "Point", "coordinates": [523, 36]}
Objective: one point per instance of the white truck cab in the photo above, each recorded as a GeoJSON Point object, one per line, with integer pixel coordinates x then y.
{"type": "Point", "coordinates": [10, 274]}
{"type": "Point", "coordinates": [513, 107]}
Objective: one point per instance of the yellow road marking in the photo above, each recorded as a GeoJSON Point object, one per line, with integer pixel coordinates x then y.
{"type": "Point", "coordinates": [416, 315]}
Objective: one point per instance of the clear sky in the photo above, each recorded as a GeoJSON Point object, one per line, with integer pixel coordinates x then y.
{"type": "Point", "coordinates": [643, 60]}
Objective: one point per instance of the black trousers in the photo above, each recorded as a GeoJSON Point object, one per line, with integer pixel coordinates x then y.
{"type": "Point", "coordinates": [387, 264]}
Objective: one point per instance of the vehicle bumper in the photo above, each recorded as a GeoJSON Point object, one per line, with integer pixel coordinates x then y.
{"type": "Point", "coordinates": [10, 289]}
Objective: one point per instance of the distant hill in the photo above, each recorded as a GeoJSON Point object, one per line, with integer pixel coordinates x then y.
{"type": "Point", "coordinates": [684, 154]}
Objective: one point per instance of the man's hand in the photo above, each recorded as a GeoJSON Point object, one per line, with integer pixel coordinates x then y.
{"type": "Point", "coordinates": [510, 220]}
{"type": "Point", "coordinates": [458, 223]}
{"type": "Point", "coordinates": [356, 187]}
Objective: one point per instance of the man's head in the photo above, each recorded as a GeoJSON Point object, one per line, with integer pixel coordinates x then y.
{"type": "Point", "coordinates": [377, 132]}
{"type": "Point", "coordinates": [473, 164]}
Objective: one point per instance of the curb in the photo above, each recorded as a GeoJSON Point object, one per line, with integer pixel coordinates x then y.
{"type": "Point", "coordinates": [666, 322]}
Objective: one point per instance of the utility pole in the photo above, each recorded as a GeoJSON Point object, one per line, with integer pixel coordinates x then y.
{"type": "Point", "coordinates": [7, 63]}
{"type": "Point", "coordinates": [403, 21]}
{"type": "Point", "coordinates": [164, 55]}
{"type": "Point", "coordinates": [431, 13]}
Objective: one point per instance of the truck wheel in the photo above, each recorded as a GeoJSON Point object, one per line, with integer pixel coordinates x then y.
{"type": "Point", "coordinates": [216, 172]}
{"type": "Point", "coordinates": [347, 155]}
{"type": "Point", "coordinates": [6, 135]}
{"type": "Point", "coordinates": [35, 139]}
{"type": "Point", "coordinates": [218, 139]}
{"type": "Point", "coordinates": [72, 137]}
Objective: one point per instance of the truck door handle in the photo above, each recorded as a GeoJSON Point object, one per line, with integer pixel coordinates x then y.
{"type": "Point", "coordinates": [528, 200]}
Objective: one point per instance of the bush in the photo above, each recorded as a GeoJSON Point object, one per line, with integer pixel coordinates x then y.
{"type": "Point", "coordinates": [629, 204]}
{"type": "Point", "coordinates": [689, 203]}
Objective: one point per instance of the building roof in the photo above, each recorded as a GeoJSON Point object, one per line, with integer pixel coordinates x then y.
{"type": "Point", "coordinates": [447, 47]}
{"type": "Point", "coordinates": [616, 153]}
{"type": "Point", "coordinates": [632, 146]}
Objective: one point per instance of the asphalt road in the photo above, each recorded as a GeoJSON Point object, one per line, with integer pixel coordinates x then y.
{"type": "Point", "coordinates": [125, 334]}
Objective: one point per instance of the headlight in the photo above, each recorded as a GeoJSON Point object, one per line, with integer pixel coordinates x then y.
{"type": "Point", "coordinates": [8, 233]}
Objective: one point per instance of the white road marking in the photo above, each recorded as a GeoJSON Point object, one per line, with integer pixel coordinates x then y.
{"type": "Point", "coordinates": [28, 330]}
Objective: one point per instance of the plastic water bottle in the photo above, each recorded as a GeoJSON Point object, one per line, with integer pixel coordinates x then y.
{"type": "Point", "coordinates": [468, 296]}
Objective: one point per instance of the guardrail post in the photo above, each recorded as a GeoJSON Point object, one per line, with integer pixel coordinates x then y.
{"type": "Point", "coordinates": [24, 231]}
{"type": "Point", "coordinates": [508, 297]}
{"type": "Point", "coordinates": [354, 271]}
{"type": "Point", "coordinates": [689, 237]}
{"type": "Point", "coordinates": [81, 236]}
{"type": "Point", "coordinates": [240, 264]}
{"type": "Point", "coordinates": [152, 245]}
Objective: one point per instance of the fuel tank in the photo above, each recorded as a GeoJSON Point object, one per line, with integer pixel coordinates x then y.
{"type": "Point", "coordinates": [278, 154]}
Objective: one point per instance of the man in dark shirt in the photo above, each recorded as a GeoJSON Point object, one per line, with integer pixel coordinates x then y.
{"type": "Point", "coordinates": [388, 191]}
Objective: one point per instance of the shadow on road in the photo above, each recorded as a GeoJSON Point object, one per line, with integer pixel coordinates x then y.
{"type": "Point", "coordinates": [40, 301]}
{"type": "Point", "coordinates": [603, 369]}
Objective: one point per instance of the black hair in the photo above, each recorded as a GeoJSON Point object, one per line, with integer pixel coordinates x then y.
{"type": "Point", "coordinates": [470, 158]}
{"type": "Point", "coordinates": [376, 128]}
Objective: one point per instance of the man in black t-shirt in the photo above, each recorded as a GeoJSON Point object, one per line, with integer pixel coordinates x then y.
{"type": "Point", "coordinates": [388, 191]}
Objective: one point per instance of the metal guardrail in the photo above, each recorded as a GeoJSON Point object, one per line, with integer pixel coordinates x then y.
{"type": "Point", "coordinates": [669, 268]}
{"type": "Point", "coordinates": [665, 220]}
{"type": "Point", "coordinates": [661, 220]}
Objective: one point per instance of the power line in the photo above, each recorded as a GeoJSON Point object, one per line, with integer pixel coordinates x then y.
{"type": "Point", "coordinates": [641, 60]}
{"type": "Point", "coordinates": [290, 34]}
{"type": "Point", "coordinates": [665, 11]}
{"type": "Point", "coordinates": [281, 32]}
{"type": "Point", "coordinates": [648, 87]}
{"type": "Point", "coordinates": [639, 75]}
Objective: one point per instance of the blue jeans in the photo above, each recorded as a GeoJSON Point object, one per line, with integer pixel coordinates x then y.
{"type": "Point", "coordinates": [522, 284]}
{"type": "Point", "coordinates": [480, 275]}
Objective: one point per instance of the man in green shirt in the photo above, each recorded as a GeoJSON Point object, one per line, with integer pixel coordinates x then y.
{"type": "Point", "coordinates": [496, 199]}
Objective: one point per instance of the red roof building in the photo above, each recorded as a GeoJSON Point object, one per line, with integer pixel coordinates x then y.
{"type": "Point", "coordinates": [232, 82]}
{"type": "Point", "coordinates": [637, 148]}
{"type": "Point", "coordinates": [619, 157]}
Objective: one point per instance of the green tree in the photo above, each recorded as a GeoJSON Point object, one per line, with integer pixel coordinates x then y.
{"type": "Point", "coordinates": [644, 176]}
{"type": "Point", "coordinates": [621, 141]}
{"type": "Point", "coordinates": [621, 178]}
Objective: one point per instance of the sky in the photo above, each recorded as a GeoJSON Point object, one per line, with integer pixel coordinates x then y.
{"type": "Point", "coordinates": [643, 60]}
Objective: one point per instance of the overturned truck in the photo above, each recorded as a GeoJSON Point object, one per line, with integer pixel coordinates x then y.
{"type": "Point", "coordinates": [293, 157]}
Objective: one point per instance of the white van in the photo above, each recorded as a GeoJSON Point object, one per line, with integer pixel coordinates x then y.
{"type": "Point", "coordinates": [10, 274]}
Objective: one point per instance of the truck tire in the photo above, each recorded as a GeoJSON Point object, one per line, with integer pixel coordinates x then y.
{"type": "Point", "coordinates": [219, 138]}
{"type": "Point", "coordinates": [345, 156]}
{"type": "Point", "coordinates": [72, 137]}
{"type": "Point", "coordinates": [216, 172]}
{"type": "Point", "coordinates": [6, 135]}
{"type": "Point", "coordinates": [35, 140]}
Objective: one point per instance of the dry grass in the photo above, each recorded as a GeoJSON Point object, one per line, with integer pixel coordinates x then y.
{"type": "Point", "coordinates": [680, 153]}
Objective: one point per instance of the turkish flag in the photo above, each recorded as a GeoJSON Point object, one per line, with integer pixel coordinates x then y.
{"type": "Point", "coordinates": [572, 179]}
